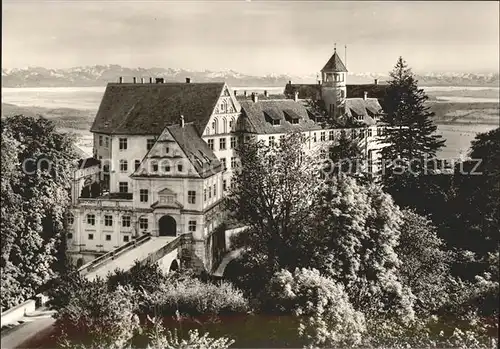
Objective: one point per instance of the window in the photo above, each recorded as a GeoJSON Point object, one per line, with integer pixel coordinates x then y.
{"type": "Point", "coordinates": [108, 237]}
{"type": "Point", "coordinates": [154, 164]}
{"type": "Point", "coordinates": [282, 138]}
{"type": "Point", "coordinates": [209, 193]}
{"type": "Point", "coordinates": [271, 140]}
{"type": "Point", "coordinates": [276, 122]}
{"type": "Point", "coordinates": [123, 165]}
{"type": "Point", "coordinates": [123, 187]}
{"type": "Point", "coordinates": [192, 226]}
{"type": "Point", "coordinates": [70, 219]}
{"type": "Point", "coordinates": [353, 133]}
{"type": "Point", "coordinates": [323, 136]}
{"type": "Point", "coordinates": [122, 143]}
{"type": "Point", "coordinates": [143, 195]}
{"type": "Point", "coordinates": [143, 223]}
{"type": "Point", "coordinates": [191, 197]}
{"type": "Point", "coordinates": [224, 185]}
{"type": "Point", "coordinates": [233, 162]}
{"type": "Point", "coordinates": [126, 221]}
{"type": "Point", "coordinates": [231, 124]}
{"type": "Point", "coordinates": [108, 220]}
{"type": "Point", "coordinates": [223, 162]}
{"type": "Point", "coordinates": [370, 132]}
{"type": "Point", "coordinates": [69, 236]}
{"type": "Point", "coordinates": [91, 219]}
{"type": "Point", "coordinates": [137, 164]}
{"type": "Point", "coordinates": [126, 238]}
{"type": "Point", "coordinates": [204, 195]}
{"type": "Point", "coordinates": [91, 236]}
{"type": "Point", "coordinates": [233, 142]}
{"type": "Point", "coordinates": [150, 143]}
{"type": "Point", "coordinates": [331, 135]}
{"type": "Point", "coordinates": [314, 137]}
{"type": "Point", "coordinates": [167, 149]}
{"type": "Point", "coordinates": [295, 121]}
{"type": "Point", "coordinates": [222, 143]}
{"type": "Point", "coordinates": [179, 168]}
{"type": "Point", "coordinates": [107, 142]}
{"type": "Point", "coordinates": [166, 167]}
{"type": "Point", "coordinates": [100, 141]}
{"type": "Point", "coordinates": [215, 190]}
{"type": "Point", "coordinates": [211, 144]}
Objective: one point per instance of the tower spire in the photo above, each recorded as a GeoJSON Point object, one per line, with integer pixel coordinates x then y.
{"type": "Point", "coordinates": [345, 56]}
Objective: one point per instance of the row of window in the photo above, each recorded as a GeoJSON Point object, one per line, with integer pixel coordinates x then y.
{"type": "Point", "coordinates": [126, 221]}
{"type": "Point", "coordinates": [222, 143]}
{"type": "Point", "coordinates": [123, 143]}
{"type": "Point", "coordinates": [154, 166]}
{"type": "Point", "coordinates": [215, 124]}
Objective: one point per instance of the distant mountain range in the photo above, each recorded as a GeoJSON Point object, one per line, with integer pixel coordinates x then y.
{"type": "Point", "coordinates": [100, 75]}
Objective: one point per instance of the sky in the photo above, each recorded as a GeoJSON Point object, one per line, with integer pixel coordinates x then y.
{"type": "Point", "coordinates": [253, 37]}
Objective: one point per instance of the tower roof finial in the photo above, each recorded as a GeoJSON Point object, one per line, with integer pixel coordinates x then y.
{"type": "Point", "coordinates": [335, 46]}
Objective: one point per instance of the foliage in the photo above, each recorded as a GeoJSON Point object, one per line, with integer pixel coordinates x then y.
{"type": "Point", "coordinates": [346, 157]}
{"type": "Point", "coordinates": [357, 233]}
{"type": "Point", "coordinates": [410, 135]}
{"type": "Point", "coordinates": [160, 338]}
{"type": "Point", "coordinates": [99, 318]}
{"type": "Point", "coordinates": [327, 318]}
{"type": "Point", "coordinates": [188, 296]}
{"type": "Point", "coordinates": [36, 167]}
{"type": "Point", "coordinates": [148, 277]}
{"type": "Point", "coordinates": [476, 203]}
{"type": "Point", "coordinates": [273, 194]}
{"type": "Point", "coordinates": [424, 262]}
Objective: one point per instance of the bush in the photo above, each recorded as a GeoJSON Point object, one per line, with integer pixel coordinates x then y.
{"type": "Point", "coordinates": [327, 318]}
{"type": "Point", "coordinates": [189, 296]}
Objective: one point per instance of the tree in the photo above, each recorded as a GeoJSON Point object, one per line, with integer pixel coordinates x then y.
{"type": "Point", "coordinates": [327, 318]}
{"type": "Point", "coordinates": [273, 194]}
{"type": "Point", "coordinates": [345, 156]}
{"type": "Point", "coordinates": [353, 240]}
{"type": "Point", "coordinates": [410, 136]}
{"type": "Point", "coordinates": [35, 197]}
{"type": "Point", "coordinates": [425, 264]}
{"type": "Point", "coordinates": [476, 203]}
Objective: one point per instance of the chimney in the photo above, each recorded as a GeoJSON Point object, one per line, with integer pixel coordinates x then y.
{"type": "Point", "coordinates": [289, 82]}
{"type": "Point", "coordinates": [188, 80]}
{"type": "Point", "coordinates": [182, 121]}
{"type": "Point", "coordinates": [159, 80]}
{"type": "Point", "coordinates": [266, 94]}
{"type": "Point", "coordinates": [376, 81]}
{"type": "Point", "coordinates": [255, 97]}
{"type": "Point", "coordinates": [245, 93]}
{"type": "Point", "coordinates": [235, 91]}
{"type": "Point", "coordinates": [142, 80]}
{"type": "Point", "coordinates": [365, 95]}
{"type": "Point", "coordinates": [150, 80]}
{"type": "Point", "coordinates": [296, 96]}
{"type": "Point", "coordinates": [120, 79]}
{"type": "Point", "coordinates": [134, 79]}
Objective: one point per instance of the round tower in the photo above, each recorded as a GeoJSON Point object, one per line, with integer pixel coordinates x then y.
{"type": "Point", "coordinates": [333, 87]}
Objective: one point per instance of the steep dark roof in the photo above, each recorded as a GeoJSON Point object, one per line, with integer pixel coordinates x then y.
{"type": "Point", "coordinates": [248, 97]}
{"type": "Point", "coordinates": [374, 91]}
{"type": "Point", "coordinates": [363, 107]}
{"type": "Point", "coordinates": [335, 64]}
{"type": "Point", "coordinates": [254, 119]}
{"type": "Point", "coordinates": [198, 152]}
{"type": "Point", "coordinates": [88, 162]}
{"type": "Point", "coordinates": [306, 91]}
{"type": "Point", "coordinates": [145, 109]}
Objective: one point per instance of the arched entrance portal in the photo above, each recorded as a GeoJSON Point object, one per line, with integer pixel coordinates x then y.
{"type": "Point", "coordinates": [167, 226]}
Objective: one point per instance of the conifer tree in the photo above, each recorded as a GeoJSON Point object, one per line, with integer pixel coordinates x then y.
{"type": "Point", "coordinates": [410, 135]}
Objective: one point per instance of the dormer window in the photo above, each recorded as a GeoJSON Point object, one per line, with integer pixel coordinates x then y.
{"type": "Point", "coordinates": [291, 116]}
{"type": "Point", "coordinates": [273, 117]}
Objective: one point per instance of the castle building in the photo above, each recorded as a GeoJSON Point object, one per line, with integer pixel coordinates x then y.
{"type": "Point", "coordinates": [164, 153]}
